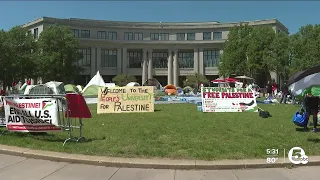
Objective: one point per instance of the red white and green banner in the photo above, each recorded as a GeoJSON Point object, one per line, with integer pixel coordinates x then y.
{"type": "Point", "coordinates": [216, 99]}
{"type": "Point", "coordinates": [31, 115]}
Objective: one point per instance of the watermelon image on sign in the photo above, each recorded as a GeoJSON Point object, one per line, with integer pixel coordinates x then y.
{"type": "Point", "coordinates": [46, 104]}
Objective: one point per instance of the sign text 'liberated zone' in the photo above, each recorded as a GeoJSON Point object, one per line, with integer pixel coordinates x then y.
{"type": "Point", "coordinates": [126, 99]}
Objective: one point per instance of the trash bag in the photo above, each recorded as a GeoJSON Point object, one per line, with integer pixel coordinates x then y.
{"type": "Point", "coordinates": [264, 114]}
{"type": "Point", "coordinates": [300, 119]}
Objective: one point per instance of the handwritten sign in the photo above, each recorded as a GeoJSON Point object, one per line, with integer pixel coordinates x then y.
{"type": "Point", "coordinates": [125, 99]}
{"type": "Point", "coordinates": [228, 100]}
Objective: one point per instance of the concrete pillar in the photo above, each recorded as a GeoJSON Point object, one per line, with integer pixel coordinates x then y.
{"type": "Point", "coordinates": [150, 75]}
{"type": "Point", "coordinates": [124, 61]}
{"type": "Point", "coordinates": [93, 62]}
{"type": "Point", "coordinates": [98, 54]}
{"type": "Point", "coordinates": [170, 67]}
{"type": "Point", "coordinates": [175, 69]}
{"type": "Point", "coordinates": [144, 66]}
{"type": "Point", "coordinates": [196, 60]}
{"type": "Point", "coordinates": [201, 63]}
{"type": "Point", "coordinates": [119, 62]}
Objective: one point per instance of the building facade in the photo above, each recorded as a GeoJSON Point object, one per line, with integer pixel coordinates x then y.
{"type": "Point", "coordinates": [164, 51]}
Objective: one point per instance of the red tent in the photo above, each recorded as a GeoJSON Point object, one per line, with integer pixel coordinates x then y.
{"type": "Point", "coordinates": [231, 80]}
{"type": "Point", "coordinates": [218, 81]}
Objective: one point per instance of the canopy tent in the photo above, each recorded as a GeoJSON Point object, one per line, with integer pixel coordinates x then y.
{"type": "Point", "coordinates": [71, 88]}
{"type": "Point", "coordinates": [93, 86]}
{"type": "Point", "coordinates": [131, 84]}
{"type": "Point", "coordinates": [231, 80]}
{"type": "Point", "coordinates": [305, 81]}
{"type": "Point", "coordinates": [153, 82]}
{"type": "Point", "coordinates": [219, 81]}
{"type": "Point", "coordinates": [243, 77]}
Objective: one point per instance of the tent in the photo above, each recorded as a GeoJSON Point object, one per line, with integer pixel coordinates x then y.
{"type": "Point", "coordinates": [110, 85]}
{"type": "Point", "coordinates": [80, 88]}
{"type": "Point", "coordinates": [51, 87]}
{"type": "Point", "coordinates": [71, 88]}
{"type": "Point", "coordinates": [153, 82]}
{"type": "Point", "coordinates": [305, 81]}
{"type": "Point", "coordinates": [131, 84]}
{"type": "Point", "coordinates": [93, 86]}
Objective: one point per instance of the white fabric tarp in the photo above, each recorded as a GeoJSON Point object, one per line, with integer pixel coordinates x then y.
{"type": "Point", "coordinates": [131, 84]}
{"type": "Point", "coordinates": [298, 87]}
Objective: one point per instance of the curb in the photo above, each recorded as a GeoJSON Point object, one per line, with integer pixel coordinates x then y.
{"type": "Point", "coordinates": [149, 163]}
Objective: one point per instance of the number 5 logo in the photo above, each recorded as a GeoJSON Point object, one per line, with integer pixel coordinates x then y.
{"type": "Point", "coordinates": [299, 157]}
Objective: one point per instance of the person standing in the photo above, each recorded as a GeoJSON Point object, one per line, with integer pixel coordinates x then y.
{"type": "Point", "coordinates": [312, 108]}
{"type": "Point", "coordinates": [285, 91]}
{"type": "Point", "coordinates": [274, 89]}
{"type": "Point", "coordinates": [269, 90]}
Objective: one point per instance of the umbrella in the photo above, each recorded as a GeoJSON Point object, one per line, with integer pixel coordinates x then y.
{"type": "Point", "coordinates": [243, 77]}
{"type": "Point", "coordinates": [303, 80]}
{"type": "Point", "coordinates": [231, 80]}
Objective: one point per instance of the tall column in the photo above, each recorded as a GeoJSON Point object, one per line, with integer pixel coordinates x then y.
{"type": "Point", "coordinates": [175, 69]}
{"type": "Point", "coordinates": [196, 60]}
{"type": "Point", "coordinates": [119, 62]}
{"type": "Point", "coordinates": [170, 67]}
{"type": "Point", "coordinates": [201, 63]}
{"type": "Point", "coordinates": [98, 57]}
{"type": "Point", "coordinates": [150, 75]}
{"type": "Point", "coordinates": [93, 62]}
{"type": "Point", "coordinates": [144, 66]}
{"type": "Point", "coordinates": [124, 61]}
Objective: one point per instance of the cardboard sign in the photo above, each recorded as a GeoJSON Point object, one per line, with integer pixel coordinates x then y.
{"type": "Point", "coordinates": [31, 115]}
{"type": "Point", "coordinates": [125, 99]}
{"type": "Point", "coordinates": [215, 99]}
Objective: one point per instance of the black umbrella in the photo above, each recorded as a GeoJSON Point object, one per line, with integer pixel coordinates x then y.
{"type": "Point", "coordinates": [302, 74]}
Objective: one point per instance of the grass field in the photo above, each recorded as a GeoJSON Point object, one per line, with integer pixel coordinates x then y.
{"type": "Point", "coordinates": [179, 131]}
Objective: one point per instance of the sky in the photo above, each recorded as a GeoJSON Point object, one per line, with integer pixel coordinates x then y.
{"type": "Point", "coordinates": [293, 14]}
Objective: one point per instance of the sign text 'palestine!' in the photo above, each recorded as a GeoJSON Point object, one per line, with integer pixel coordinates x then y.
{"type": "Point", "coordinates": [227, 93]}
{"type": "Point", "coordinates": [125, 99]}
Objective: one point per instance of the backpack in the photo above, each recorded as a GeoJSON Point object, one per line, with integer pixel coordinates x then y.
{"type": "Point", "coordinates": [264, 114]}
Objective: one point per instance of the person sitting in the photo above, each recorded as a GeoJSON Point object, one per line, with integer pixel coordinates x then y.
{"type": "Point", "coordinates": [312, 107]}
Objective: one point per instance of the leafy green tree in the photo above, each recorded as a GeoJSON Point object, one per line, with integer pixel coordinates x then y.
{"type": "Point", "coordinates": [58, 54]}
{"type": "Point", "coordinates": [304, 48]}
{"type": "Point", "coordinates": [122, 80]}
{"type": "Point", "coordinates": [234, 57]}
{"type": "Point", "coordinates": [194, 80]}
{"type": "Point", "coordinates": [258, 50]}
{"type": "Point", "coordinates": [278, 55]}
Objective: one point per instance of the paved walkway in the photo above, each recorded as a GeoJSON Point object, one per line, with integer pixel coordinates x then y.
{"type": "Point", "coordinates": [21, 168]}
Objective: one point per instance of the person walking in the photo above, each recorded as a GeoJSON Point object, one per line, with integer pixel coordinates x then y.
{"type": "Point", "coordinates": [269, 90]}
{"type": "Point", "coordinates": [285, 91]}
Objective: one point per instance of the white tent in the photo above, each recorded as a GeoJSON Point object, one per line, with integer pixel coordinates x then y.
{"type": "Point", "coordinates": [110, 85]}
{"type": "Point", "coordinates": [131, 84]}
{"type": "Point", "coordinates": [79, 87]}
{"type": "Point", "coordinates": [97, 80]}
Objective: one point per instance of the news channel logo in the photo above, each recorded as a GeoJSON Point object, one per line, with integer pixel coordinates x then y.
{"type": "Point", "coordinates": [297, 155]}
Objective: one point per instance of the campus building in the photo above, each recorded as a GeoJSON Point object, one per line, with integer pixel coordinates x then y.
{"type": "Point", "coordinates": [161, 50]}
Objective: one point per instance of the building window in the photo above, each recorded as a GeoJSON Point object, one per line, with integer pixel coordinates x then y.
{"type": "Point", "coordinates": [160, 59]}
{"type": "Point", "coordinates": [128, 36]}
{"type": "Point", "coordinates": [164, 36]}
{"type": "Point", "coordinates": [102, 35]}
{"type": "Point", "coordinates": [86, 57]}
{"type": "Point", "coordinates": [211, 58]}
{"type": "Point", "coordinates": [181, 36]}
{"type": "Point", "coordinates": [112, 35]}
{"type": "Point", "coordinates": [186, 59]}
{"type": "Point", "coordinates": [85, 34]}
{"type": "Point", "coordinates": [207, 36]}
{"type": "Point", "coordinates": [108, 58]}
{"type": "Point", "coordinates": [154, 36]}
{"type": "Point", "coordinates": [191, 36]}
{"type": "Point", "coordinates": [217, 35]}
{"type": "Point", "coordinates": [75, 33]}
{"type": "Point", "coordinates": [35, 33]}
{"type": "Point", "coordinates": [134, 59]}
{"type": "Point", "coordinates": [138, 36]}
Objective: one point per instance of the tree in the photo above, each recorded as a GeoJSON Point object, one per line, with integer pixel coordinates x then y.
{"type": "Point", "coordinates": [194, 80]}
{"type": "Point", "coordinates": [58, 54]}
{"type": "Point", "coordinates": [304, 48]}
{"type": "Point", "coordinates": [278, 56]}
{"type": "Point", "coordinates": [122, 80]}
{"type": "Point", "coordinates": [258, 50]}
{"type": "Point", "coordinates": [17, 55]}
{"type": "Point", "coordinates": [234, 57]}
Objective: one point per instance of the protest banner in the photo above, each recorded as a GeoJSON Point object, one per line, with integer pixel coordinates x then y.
{"type": "Point", "coordinates": [216, 99]}
{"type": "Point", "coordinates": [31, 115]}
{"type": "Point", "coordinates": [125, 99]}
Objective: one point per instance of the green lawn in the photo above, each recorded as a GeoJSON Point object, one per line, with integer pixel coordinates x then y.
{"type": "Point", "coordinates": [179, 131]}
